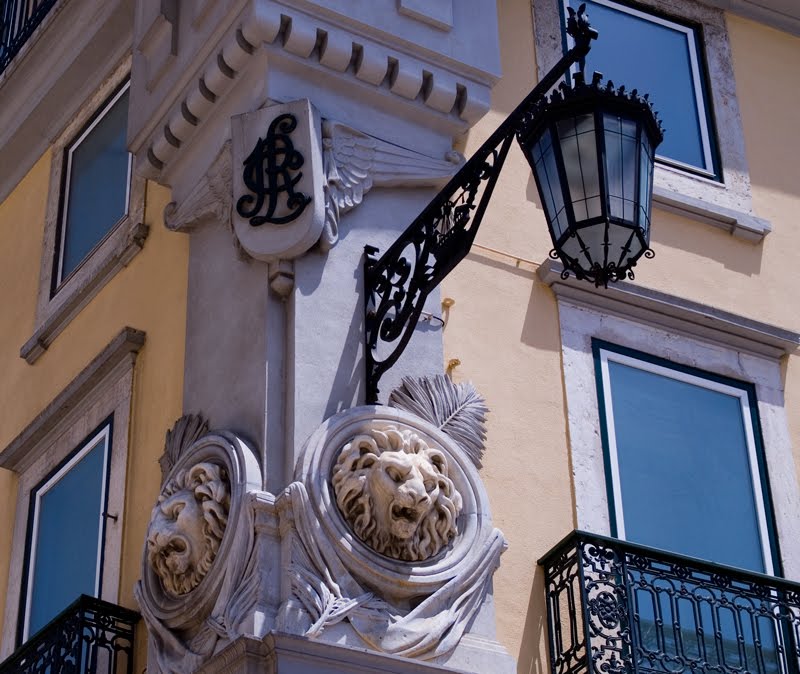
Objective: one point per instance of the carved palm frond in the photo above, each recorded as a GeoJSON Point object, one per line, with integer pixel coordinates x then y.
{"type": "Point", "coordinates": [184, 432]}
{"type": "Point", "coordinates": [456, 409]}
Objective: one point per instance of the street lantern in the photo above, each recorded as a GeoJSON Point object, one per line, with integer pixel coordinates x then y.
{"type": "Point", "coordinates": [591, 148]}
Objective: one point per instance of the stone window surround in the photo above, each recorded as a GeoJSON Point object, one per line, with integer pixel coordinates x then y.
{"type": "Point", "coordinates": [54, 311]}
{"type": "Point", "coordinates": [726, 204]}
{"type": "Point", "coordinates": [688, 334]}
{"type": "Point", "coordinates": [102, 390]}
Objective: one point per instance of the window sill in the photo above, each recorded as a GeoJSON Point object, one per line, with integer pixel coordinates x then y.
{"type": "Point", "coordinates": [742, 225]}
{"type": "Point", "coordinates": [114, 253]}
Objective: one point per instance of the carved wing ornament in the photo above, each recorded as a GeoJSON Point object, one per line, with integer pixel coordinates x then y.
{"type": "Point", "coordinates": [354, 163]}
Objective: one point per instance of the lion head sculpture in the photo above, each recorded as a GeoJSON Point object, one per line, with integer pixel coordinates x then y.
{"type": "Point", "coordinates": [187, 525]}
{"type": "Point", "coordinates": [394, 491]}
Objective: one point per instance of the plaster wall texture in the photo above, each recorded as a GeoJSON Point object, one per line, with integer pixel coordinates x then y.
{"type": "Point", "coordinates": [149, 294]}
{"type": "Point", "coordinates": [504, 326]}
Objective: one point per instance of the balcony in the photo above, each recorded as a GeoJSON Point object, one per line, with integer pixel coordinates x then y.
{"type": "Point", "coordinates": [18, 20]}
{"type": "Point", "coordinates": [618, 608]}
{"type": "Point", "coordinates": [88, 637]}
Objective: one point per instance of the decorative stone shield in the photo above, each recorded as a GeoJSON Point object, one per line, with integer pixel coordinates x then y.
{"type": "Point", "coordinates": [278, 181]}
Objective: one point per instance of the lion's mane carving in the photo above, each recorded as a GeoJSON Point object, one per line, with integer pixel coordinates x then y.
{"type": "Point", "coordinates": [394, 491]}
{"type": "Point", "coordinates": [187, 525]}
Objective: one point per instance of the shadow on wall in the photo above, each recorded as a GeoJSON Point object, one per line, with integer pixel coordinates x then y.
{"type": "Point", "coordinates": [710, 242]}
{"type": "Point", "coordinates": [533, 656]}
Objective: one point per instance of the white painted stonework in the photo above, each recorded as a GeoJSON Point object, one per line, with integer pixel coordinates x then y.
{"type": "Point", "coordinates": [292, 563]}
{"type": "Point", "coordinates": [355, 162]}
{"type": "Point", "coordinates": [344, 591]}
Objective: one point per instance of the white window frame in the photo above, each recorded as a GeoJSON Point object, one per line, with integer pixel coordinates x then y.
{"type": "Point", "coordinates": [673, 335]}
{"type": "Point", "coordinates": [727, 204]}
{"type": "Point", "coordinates": [697, 83]}
{"type": "Point", "coordinates": [739, 393]}
{"type": "Point", "coordinates": [74, 145]}
{"type": "Point", "coordinates": [102, 390]}
{"type": "Point", "coordinates": [60, 300]}
{"type": "Point", "coordinates": [103, 435]}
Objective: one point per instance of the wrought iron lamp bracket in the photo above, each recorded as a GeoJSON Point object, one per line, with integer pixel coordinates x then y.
{"type": "Point", "coordinates": [397, 284]}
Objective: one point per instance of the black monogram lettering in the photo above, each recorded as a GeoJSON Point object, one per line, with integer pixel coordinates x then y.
{"type": "Point", "coordinates": [270, 170]}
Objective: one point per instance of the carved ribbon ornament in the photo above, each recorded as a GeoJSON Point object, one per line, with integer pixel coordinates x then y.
{"type": "Point", "coordinates": [271, 169]}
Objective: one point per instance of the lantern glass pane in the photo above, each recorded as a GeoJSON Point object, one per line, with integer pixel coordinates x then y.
{"type": "Point", "coordinates": [579, 150]}
{"type": "Point", "coordinates": [621, 159]}
{"type": "Point", "coordinates": [594, 238]}
{"type": "Point", "coordinates": [544, 165]}
{"type": "Point", "coordinates": [571, 248]}
{"type": "Point", "coordinates": [645, 179]}
{"type": "Point", "coordinates": [623, 244]}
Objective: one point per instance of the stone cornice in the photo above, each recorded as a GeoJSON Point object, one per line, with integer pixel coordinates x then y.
{"type": "Point", "coordinates": [123, 347]}
{"type": "Point", "coordinates": [456, 93]}
{"type": "Point", "coordinates": [674, 313]}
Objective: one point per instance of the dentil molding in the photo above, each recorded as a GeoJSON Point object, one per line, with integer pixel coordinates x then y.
{"type": "Point", "coordinates": [361, 52]}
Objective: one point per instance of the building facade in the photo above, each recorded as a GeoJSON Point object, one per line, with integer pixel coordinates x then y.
{"type": "Point", "coordinates": [150, 289]}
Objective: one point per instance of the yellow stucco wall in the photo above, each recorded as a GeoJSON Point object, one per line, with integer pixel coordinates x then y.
{"type": "Point", "coordinates": [149, 295]}
{"type": "Point", "coordinates": [504, 324]}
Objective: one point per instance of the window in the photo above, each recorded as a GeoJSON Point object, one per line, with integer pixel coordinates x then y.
{"type": "Point", "coordinates": [683, 60]}
{"type": "Point", "coordinates": [684, 460]}
{"type": "Point", "coordinates": [95, 209]}
{"type": "Point", "coordinates": [730, 366]}
{"type": "Point", "coordinates": [668, 65]}
{"type": "Point", "coordinates": [68, 520]}
{"type": "Point", "coordinates": [66, 533]}
{"type": "Point", "coordinates": [97, 178]}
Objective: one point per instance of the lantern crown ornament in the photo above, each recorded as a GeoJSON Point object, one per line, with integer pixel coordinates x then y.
{"type": "Point", "coordinates": [591, 147]}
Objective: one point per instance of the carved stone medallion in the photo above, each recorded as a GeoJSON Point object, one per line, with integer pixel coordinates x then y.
{"type": "Point", "coordinates": [394, 491]}
{"type": "Point", "coordinates": [187, 525]}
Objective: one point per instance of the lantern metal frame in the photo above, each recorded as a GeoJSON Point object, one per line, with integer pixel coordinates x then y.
{"type": "Point", "coordinates": [397, 284]}
{"type": "Point", "coordinates": [582, 99]}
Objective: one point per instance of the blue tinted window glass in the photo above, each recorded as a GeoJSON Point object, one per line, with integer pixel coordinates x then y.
{"type": "Point", "coordinates": [655, 59]}
{"type": "Point", "coordinates": [684, 468]}
{"type": "Point", "coordinates": [67, 522]}
{"type": "Point", "coordinates": [98, 185]}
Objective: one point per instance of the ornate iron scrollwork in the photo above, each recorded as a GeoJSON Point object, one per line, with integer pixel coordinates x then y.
{"type": "Point", "coordinates": [397, 285]}
{"type": "Point", "coordinates": [272, 168]}
{"type": "Point", "coordinates": [617, 607]}
{"type": "Point", "coordinates": [91, 636]}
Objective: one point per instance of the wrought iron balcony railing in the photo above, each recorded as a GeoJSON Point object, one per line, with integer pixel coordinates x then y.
{"type": "Point", "coordinates": [90, 636]}
{"type": "Point", "coordinates": [618, 608]}
{"type": "Point", "coordinates": [18, 20]}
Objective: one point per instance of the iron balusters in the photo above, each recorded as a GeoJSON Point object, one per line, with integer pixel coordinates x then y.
{"type": "Point", "coordinates": [618, 608]}
{"type": "Point", "coordinates": [90, 636]}
{"type": "Point", "coordinates": [18, 20]}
